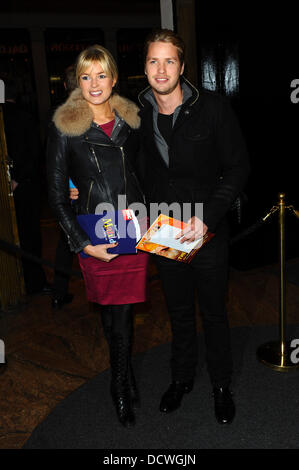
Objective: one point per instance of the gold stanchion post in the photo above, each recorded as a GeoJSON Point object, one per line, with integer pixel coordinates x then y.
{"type": "Point", "coordinates": [277, 354]}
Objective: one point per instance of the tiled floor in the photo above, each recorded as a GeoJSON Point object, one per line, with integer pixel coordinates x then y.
{"type": "Point", "coordinates": [51, 354]}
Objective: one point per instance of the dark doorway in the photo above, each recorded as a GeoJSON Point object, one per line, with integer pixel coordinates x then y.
{"type": "Point", "coordinates": [251, 57]}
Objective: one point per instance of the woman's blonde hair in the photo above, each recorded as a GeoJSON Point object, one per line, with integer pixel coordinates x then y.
{"type": "Point", "coordinates": [96, 53]}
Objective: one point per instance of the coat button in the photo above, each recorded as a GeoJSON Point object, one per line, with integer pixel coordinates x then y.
{"type": "Point", "coordinates": [187, 111]}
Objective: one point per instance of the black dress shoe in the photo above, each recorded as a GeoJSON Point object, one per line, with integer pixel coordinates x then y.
{"type": "Point", "coordinates": [59, 302]}
{"type": "Point", "coordinates": [224, 405]}
{"type": "Point", "coordinates": [171, 400]}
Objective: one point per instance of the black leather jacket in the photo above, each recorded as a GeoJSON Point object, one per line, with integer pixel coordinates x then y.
{"type": "Point", "coordinates": [100, 167]}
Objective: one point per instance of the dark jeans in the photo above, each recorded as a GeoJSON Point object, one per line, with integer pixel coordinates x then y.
{"type": "Point", "coordinates": [207, 274]}
{"type": "Point", "coordinates": [63, 267]}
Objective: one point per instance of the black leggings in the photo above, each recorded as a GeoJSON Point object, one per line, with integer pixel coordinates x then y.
{"type": "Point", "coordinates": [117, 320]}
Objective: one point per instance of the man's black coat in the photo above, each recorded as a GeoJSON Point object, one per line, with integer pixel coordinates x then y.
{"type": "Point", "coordinates": [208, 160]}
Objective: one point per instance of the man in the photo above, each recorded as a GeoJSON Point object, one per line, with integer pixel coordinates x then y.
{"type": "Point", "coordinates": [192, 151]}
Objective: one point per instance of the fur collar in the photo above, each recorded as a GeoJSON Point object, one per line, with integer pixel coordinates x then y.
{"type": "Point", "coordinates": [74, 117]}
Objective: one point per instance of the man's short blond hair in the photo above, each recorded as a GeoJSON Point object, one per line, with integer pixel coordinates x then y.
{"type": "Point", "coordinates": [165, 35]}
{"type": "Point", "coordinates": [99, 54]}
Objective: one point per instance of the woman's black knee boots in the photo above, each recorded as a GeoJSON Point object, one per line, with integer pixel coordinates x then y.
{"type": "Point", "coordinates": [120, 385]}
{"type": "Point", "coordinates": [117, 323]}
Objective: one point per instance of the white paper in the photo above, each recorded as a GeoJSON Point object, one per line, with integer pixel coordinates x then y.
{"type": "Point", "coordinates": [166, 236]}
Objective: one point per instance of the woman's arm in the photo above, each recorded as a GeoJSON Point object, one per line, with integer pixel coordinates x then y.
{"type": "Point", "coordinates": [58, 183]}
{"type": "Point", "coordinates": [58, 188]}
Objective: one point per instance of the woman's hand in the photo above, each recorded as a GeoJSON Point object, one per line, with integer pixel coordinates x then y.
{"type": "Point", "coordinates": [195, 230]}
{"type": "Point", "coordinates": [100, 251]}
{"type": "Point", "coordinates": [74, 194]}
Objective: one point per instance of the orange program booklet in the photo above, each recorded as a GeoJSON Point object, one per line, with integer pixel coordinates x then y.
{"type": "Point", "coordinates": [160, 240]}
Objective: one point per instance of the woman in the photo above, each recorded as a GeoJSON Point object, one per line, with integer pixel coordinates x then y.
{"type": "Point", "coordinates": [91, 141]}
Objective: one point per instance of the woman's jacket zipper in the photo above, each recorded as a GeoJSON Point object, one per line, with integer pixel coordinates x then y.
{"type": "Point", "coordinates": [88, 199]}
{"type": "Point", "coordinates": [124, 168]}
{"type": "Point", "coordinates": [96, 160]}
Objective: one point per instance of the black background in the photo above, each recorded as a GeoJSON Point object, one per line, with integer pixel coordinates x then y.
{"type": "Point", "coordinates": [266, 42]}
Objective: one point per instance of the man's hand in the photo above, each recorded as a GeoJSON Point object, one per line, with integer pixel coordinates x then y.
{"type": "Point", "coordinates": [100, 251]}
{"type": "Point", "coordinates": [74, 194]}
{"type": "Point", "coordinates": [194, 230]}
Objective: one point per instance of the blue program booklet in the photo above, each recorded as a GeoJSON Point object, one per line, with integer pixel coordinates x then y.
{"type": "Point", "coordinates": [71, 184]}
{"type": "Point", "coordinates": [119, 226]}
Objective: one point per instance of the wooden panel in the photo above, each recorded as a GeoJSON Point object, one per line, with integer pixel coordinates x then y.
{"type": "Point", "coordinates": [11, 276]}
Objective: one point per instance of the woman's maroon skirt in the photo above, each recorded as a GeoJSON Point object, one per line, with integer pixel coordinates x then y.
{"type": "Point", "coordinates": [121, 281]}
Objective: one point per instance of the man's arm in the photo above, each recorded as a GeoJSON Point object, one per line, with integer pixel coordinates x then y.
{"type": "Point", "coordinates": [234, 161]}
